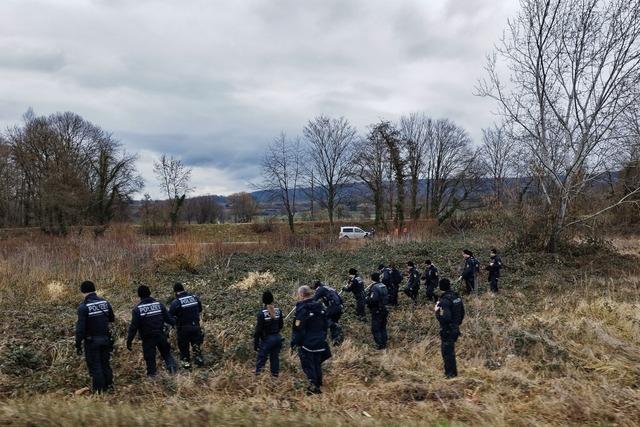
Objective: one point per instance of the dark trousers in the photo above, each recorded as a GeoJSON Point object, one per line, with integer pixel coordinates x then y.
{"type": "Point", "coordinates": [360, 307]}
{"type": "Point", "coordinates": [269, 348]}
{"type": "Point", "coordinates": [311, 363]}
{"type": "Point", "coordinates": [393, 293]}
{"type": "Point", "coordinates": [97, 354]}
{"type": "Point", "coordinates": [470, 284]}
{"type": "Point", "coordinates": [448, 349]}
{"type": "Point", "coordinates": [379, 327]}
{"type": "Point", "coordinates": [493, 282]}
{"type": "Point", "coordinates": [334, 326]}
{"type": "Point", "coordinates": [431, 293]}
{"type": "Point", "coordinates": [149, 346]}
{"type": "Point", "coordinates": [190, 337]}
{"type": "Point", "coordinates": [412, 293]}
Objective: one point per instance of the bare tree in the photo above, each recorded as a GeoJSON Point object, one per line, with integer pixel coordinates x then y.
{"type": "Point", "coordinates": [281, 171]}
{"type": "Point", "coordinates": [370, 161]}
{"type": "Point", "coordinates": [497, 155]}
{"type": "Point", "coordinates": [330, 152]}
{"type": "Point", "coordinates": [574, 66]}
{"type": "Point", "coordinates": [451, 172]}
{"type": "Point", "coordinates": [174, 178]}
{"type": "Point", "coordinates": [390, 136]}
{"type": "Point", "coordinates": [243, 206]}
{"type": "Point", "coordinates": [414, 130]}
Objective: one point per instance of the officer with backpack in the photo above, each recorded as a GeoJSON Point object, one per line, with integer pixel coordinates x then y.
{"type": "Point", "coordinates": [333, 303]}
{"type": "Point", "coordinates": [470, 270]}
{"type": "Point", "coordinates": [449, 311]}
{"type": "Point", "coordinates": [494, 267]}
{"type": "Point", "coordinates": [385, 279]}
{"type": "Point", "coordinates": [309, 337]}
{"type": "Point", "coordinates": [92, 329]}
{"type": "Point", "coordinates": [267, 340]}
{"type": "Point", "coordinates": [186, 309]}
{"type": "Point", "coordinates": [355, 285]}
{"type": "Point", "coordinates": [430, 277]}
{"type": "Point", "coordinates": [396, 281]}
{"type": "Point", "coordinates": [413, 282]}
{"type": "Point", "coordinates": [377, 298]}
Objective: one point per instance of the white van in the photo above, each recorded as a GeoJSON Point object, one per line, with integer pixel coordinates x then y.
{"type": "Point", "coordinates": [352, 232]}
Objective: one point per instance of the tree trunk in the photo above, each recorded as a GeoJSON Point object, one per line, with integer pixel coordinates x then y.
{"type": "Point", "coordinates": [558, 225]}
{"type": "Point", "coordinates": [290, 216]}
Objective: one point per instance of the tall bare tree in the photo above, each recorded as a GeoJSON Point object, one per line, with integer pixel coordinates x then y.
{"type": "Point", "coordinates": [330, 152]}
{"type": "Point", "coordinates": [243, 206]}
{"type": "Point", "coordinates": [497, 155]}
{"type": "Point", "coordinates": [414, 131]}
{"type": "Point", "coordinates": [574, 65]}
{"type": "Point", "coordinates": [175, 181]}
{"type": "Point", "coordinates": [370, 165]}
{"type": "Point", "coordinates": [281, 172]}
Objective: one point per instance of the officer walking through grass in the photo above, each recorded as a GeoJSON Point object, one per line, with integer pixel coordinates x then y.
{"type": "Point", "coordinates": [413, 282]}
{"type": "Point", "coordinates": [92, 329]}
{"type": "Point", "coordinates": [148, 319]}
{"type": "Point", "coordinates": [469, 271]}
{"type": "Point", "coordinates": [430, 277]}
{"type": "Point", "coordinates": [186, 309]}
{"type": "Point", "coordinates": [377, 299]}
{"type": "Point", "coordinates": [449, 311]}
{"type": "Point", "coordinates": [309, 337]}
{"type": "Point", "coordinates": [267, 340]}
{"type": "Point", "coordinates": [494, 267]}
{"type": "Point", "coordinates": [355, 285]}
{"type": "Point", "coordinates": [333, 303]}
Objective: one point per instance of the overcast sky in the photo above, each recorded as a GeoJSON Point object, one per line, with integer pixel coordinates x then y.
{"type": "Point", "coordinates": [213, 82]}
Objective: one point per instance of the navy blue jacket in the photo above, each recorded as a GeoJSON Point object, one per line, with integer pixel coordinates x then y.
{"type": "Point", "coordinates": [413, 281]}
{"type": "Point", "coordinates": [186, 309]}
{"type": "Point", "coordinates": [430, 276]}
{"type": "Point", "coordinates": [494, 270]}
{"type": "Point", "coordinates": [356, 285]}
{"type": "Point", "coordinates": [267, 325]}
{"type": "Point", "coordinates": [311, 332]}
{"type": "Point", "coordinates": [94, 316]}
{"type": "Point", "coordinates": [451, 312]}
{"type": "Point", "coordinates": [377, 297]}
{"type": "Point", "coordinates": [385, 276]}
{"type": "Point", "coordinates": [328, 296]}
{"type": "Point", "coordinates": [470, 268]}
{"type": "Point", "coordinates": [148, 319]}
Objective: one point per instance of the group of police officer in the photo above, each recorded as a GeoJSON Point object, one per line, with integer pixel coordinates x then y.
{"type": "Point", "coordinates": [318, 310]}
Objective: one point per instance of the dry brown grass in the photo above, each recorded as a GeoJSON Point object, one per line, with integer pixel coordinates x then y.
{"type": "Point", "coordinates": [560, 345]}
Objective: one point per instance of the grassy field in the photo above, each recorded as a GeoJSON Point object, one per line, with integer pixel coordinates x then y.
{"type": "Point", "coordinates": [560, 345]}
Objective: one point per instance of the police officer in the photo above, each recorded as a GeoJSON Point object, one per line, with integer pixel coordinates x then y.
{"type": "Point", "coordinates": [469, 271]}
{"type": "Point", "coordinates": [186, 309]}
{"type": "Point", "coordinates": [148, 319]}
{"type": "Point", "coordinates": [386, 278]}
{"type": "Point", "coordinates": [92, 327]}
{"type": "Point", "coordinates": [309, 337]}
{"type": "Point", "coordinates": [449, 311]}
{"type": "Point", "coordinates": [333, 303]}
{"type": "Point", "coordinates": [266, 338]}
{"type": "Point", "coordinates": [413, 282]}
{"type": "Point", "coordinates": [377, 299]}
{"type": "Point", "coordinates": [356, 286]}
{"type": "Point", "coordinates": [430, 277]}
{"type": "Point", "coordinates": [494, 267]}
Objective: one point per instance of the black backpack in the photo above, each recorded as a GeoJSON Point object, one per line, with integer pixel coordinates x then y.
{"type": "Point", "coordinates": [334, 298]}
{"type": "Point", "coordinates": [396, 276]}
{"type": "Point", "coordinates": [383, 293]}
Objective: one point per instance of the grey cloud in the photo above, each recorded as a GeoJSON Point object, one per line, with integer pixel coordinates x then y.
{"type": "Point", "coordinates": [25, 58]}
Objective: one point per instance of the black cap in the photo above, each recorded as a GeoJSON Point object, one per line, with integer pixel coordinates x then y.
{"type": "Point", "coordinates": [87, 287]}
{"type": "Point", "coordinates": [353, 271]}
{"type": "Point", "coordinates": [444, 285]}
{"type": "Point", "coordinates": [494, 251]}
{"type": "Point", "coordinates": [375, 276]}
{"type": "Point", "coordinates": [411, 264]}
{"type": "Point", "coordinates": [178, 287]}
{"type": "Point", "coordinates": [267, 298]}
{"type": "Point", "coordinates": [380, 266]}
{"type": "Point", "coordinates": [316, 284]}
{"type": "Point", "coordinates": [428, 262]}
{"type": "Point", "coordinates": [144, 291]}
{"type": "Point", "coordinates": [467, 252]}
